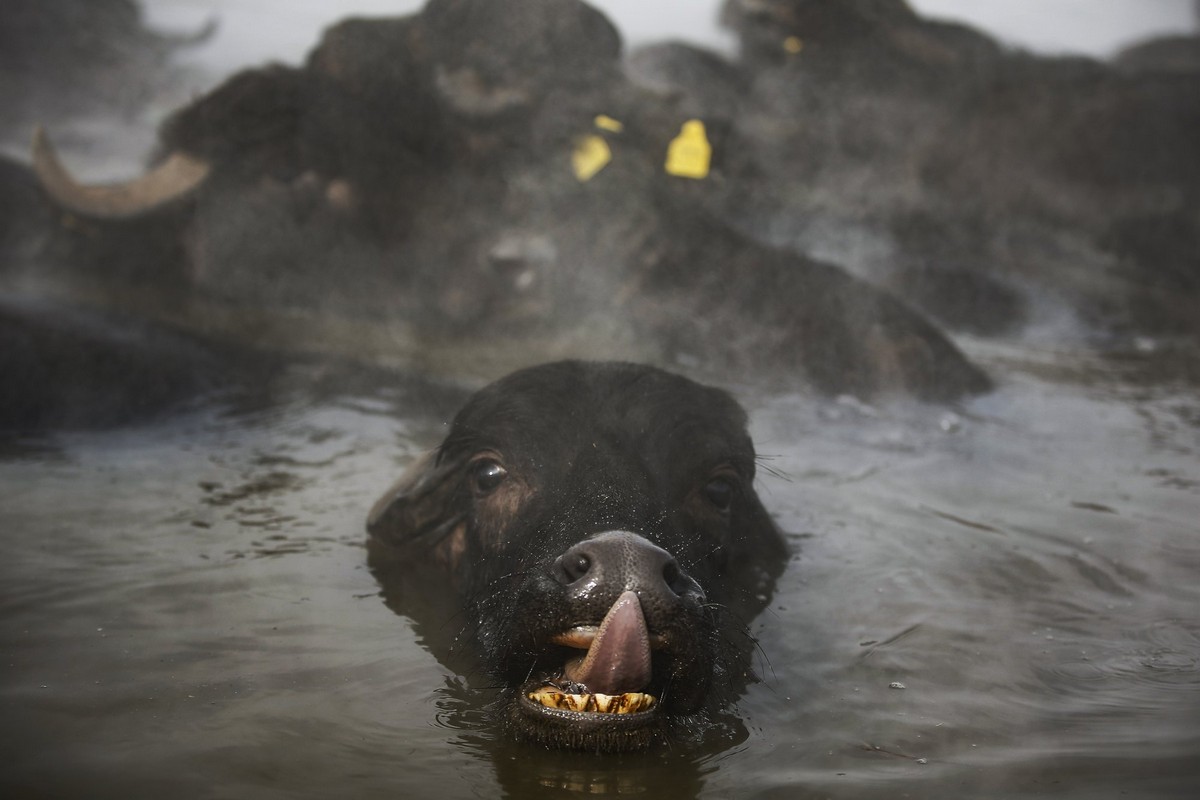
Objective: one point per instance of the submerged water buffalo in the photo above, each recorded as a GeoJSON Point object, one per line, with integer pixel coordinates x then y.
{"type": "Point", "coordinates": [997, 190]}
{"type": "Point", "coordinates": [413, 196]}
{"type": "Point", "coordinates": [598, 526]}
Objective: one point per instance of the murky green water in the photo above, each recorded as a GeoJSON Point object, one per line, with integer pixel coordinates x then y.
{"type": "Point", "coordinates": [186, 609]}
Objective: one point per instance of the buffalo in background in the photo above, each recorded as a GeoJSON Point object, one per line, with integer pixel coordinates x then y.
{"type": "Point", "coordinates": [994, 189]}
{"type": "Point", "coordinates": [407, 198]}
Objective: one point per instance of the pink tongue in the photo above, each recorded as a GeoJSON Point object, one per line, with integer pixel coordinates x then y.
{"type": "Point", "coordinates": [619, 658]}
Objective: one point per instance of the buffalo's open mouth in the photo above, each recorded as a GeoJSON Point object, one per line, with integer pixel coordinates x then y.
{"type": "Point", "coordinates": [593, 703]}
{"type": "Point", "coordinates": [610, 682]}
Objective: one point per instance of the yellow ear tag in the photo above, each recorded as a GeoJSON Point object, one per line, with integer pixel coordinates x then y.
{"type": "Point", "coordinates": [605, 122]}
{"type": "Point", "coordinates": [793, 45]}
{"type": "Point", "coordinates": [590, 156]}
{"type": "Point", "coordinates": [689, 154]}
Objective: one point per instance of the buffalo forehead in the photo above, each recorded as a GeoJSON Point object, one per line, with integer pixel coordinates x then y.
{"type": "Point", "coordinates": [623, 423]}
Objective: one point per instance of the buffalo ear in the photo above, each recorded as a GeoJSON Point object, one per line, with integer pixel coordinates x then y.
{"type": "Point", "coordinates": [422, 508]}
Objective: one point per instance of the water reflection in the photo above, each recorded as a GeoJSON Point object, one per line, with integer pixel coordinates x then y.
{"type": "Point", "coordinates": [519, 771]}
{"type": "Point", "coordinates": [562, 774]}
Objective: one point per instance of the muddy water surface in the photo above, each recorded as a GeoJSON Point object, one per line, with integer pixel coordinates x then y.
{"type": "Point", "coordinates": [998, 600]}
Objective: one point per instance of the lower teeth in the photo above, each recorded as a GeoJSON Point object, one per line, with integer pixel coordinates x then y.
{"type": "Point", "coordinates": [627, 703]}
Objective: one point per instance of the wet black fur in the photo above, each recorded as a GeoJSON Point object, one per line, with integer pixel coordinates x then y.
{"type": "Point", "coordinates": [599, 447]}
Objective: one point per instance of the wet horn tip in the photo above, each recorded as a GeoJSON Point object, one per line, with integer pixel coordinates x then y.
{"type": "Point", "coordinates": [171, 180]}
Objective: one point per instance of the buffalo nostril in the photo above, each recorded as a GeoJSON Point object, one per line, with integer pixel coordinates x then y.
{"type": "Point", "coordinates": [616, 561]}
{"type": "Point", "coordinates": [672, 576]}
{"type": "Point", "coordinates": [572, 566]}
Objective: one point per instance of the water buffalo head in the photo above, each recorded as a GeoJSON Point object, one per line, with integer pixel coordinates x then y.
{"type": "Point", "coordinates": [599, 526]}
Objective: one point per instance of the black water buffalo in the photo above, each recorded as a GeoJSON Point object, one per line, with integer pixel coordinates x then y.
{"type": "Point", "coordinates": [997, 190]}
{"type": "Point", "coordinates": [410, 196]}
{"type": "Point", "coordinates": [598, 524]}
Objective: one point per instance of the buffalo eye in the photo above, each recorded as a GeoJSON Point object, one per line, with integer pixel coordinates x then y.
{"type": "Point", "coordinates": [720, 492]}
{"type": "Point", "coordinates": [486, 475]}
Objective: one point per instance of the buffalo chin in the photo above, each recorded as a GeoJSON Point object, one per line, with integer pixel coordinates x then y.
{"type": "Point", "coordinates": [582, 730]}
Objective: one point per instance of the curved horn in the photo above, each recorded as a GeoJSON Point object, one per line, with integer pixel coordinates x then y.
{"type": "Point", "coordinates": [172, 179]}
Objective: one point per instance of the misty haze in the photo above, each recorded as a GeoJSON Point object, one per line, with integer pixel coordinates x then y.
{"type": "Point", "coordinates": [897, 496]}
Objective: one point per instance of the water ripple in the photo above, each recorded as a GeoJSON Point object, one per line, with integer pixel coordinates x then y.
{"type": "Point", "coordinates": [1162, 655]}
